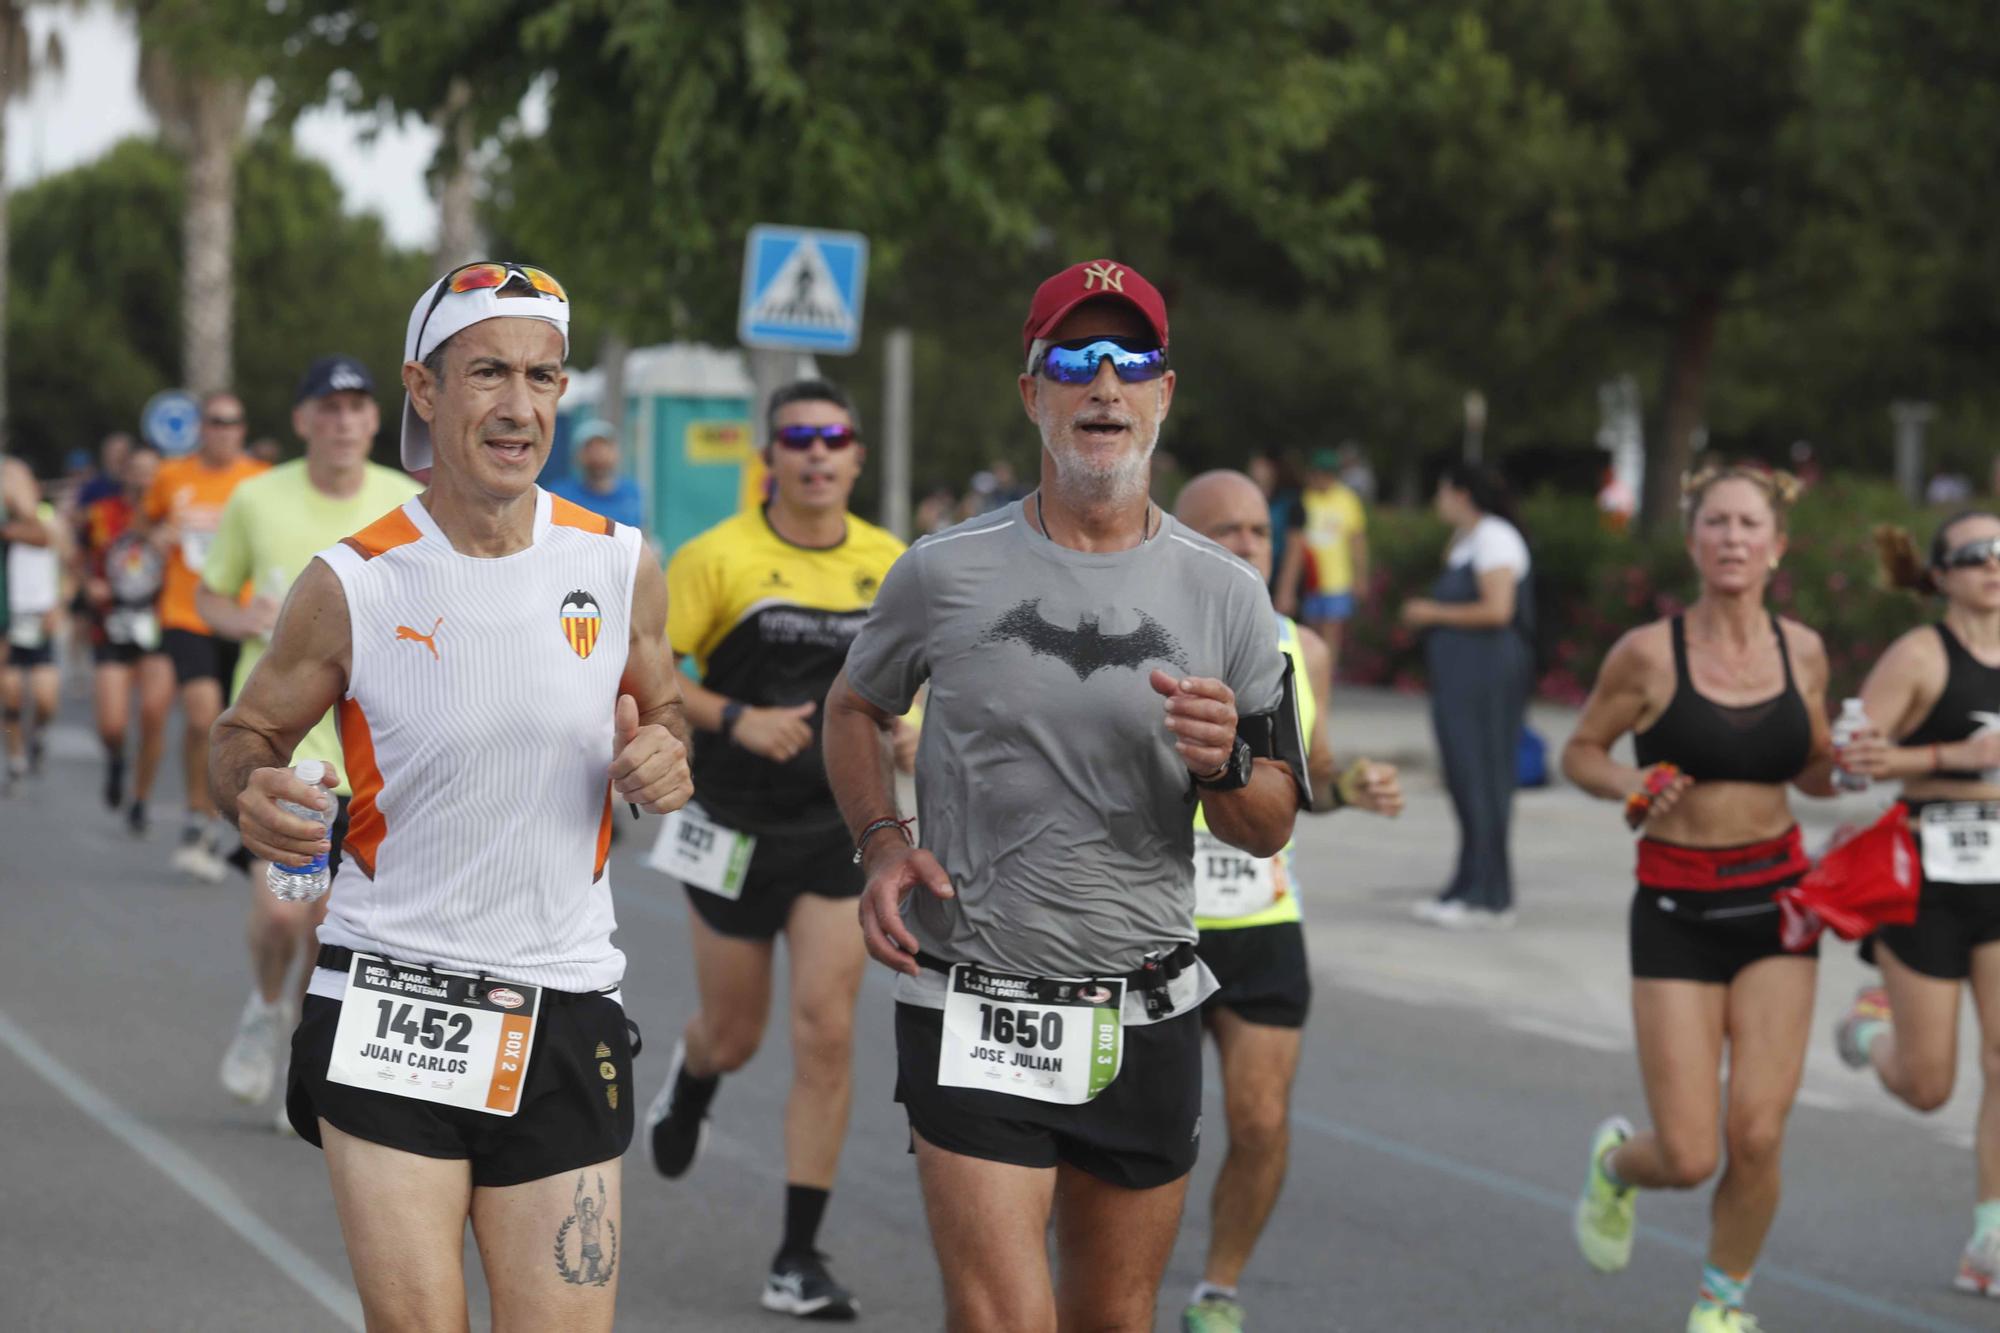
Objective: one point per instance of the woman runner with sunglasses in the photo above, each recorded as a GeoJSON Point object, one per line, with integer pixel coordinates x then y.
{"type": "Point", "coordinates": [1725, 704]}
{"type": "Point", "coordinates": [1937, 690]}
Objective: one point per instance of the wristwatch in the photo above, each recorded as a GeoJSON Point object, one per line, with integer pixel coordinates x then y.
{"type": "Point", "coordinates": [730, 712]}
{"type": "Point", "coordinates": [1234, 775]}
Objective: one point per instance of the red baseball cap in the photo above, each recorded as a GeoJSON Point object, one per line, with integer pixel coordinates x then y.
{"type": "Point", "coordinates": [1093, 280]}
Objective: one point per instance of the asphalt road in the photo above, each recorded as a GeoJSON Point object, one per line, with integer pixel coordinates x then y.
{"type": "Point", "coordinates": [1448, 1089]}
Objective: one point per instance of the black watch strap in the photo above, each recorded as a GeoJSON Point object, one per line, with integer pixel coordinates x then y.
{"type": "Point", "coordinates": [1235, 774]}
{"type": "Point", "coordinates": [730, 712]}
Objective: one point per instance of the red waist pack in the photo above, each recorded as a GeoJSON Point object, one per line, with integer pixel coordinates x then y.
{"type": "Point", "coordinates": [1863, 882]}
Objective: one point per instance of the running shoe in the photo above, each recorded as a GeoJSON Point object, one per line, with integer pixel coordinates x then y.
{"type": "Point", "coordinates": [1446, 912]}
{"type": "Point", "coordinates": [114, 782]}
{"type": "Point", "coordinates": [37, 750]}
{"type": "Point", "coordinates": [1707, 1318]}
{"type": "Point", "coordinates": [1213, 1314]}
{"type": "Point", "coordinates": [250, 1065]}
{"type": "Point", "coordinates": [1979, 1269]}
{"type": "Point", "coordinates": [673, 1140]}
{"type": "Point", "coordinates": [1604, 1212]}
{"type": "Point", "coordinates": [1871, 1005]}
{"type": "Point", "coordinates": [136, 821]}
{"type": "Point", "coordinates": [799, 1285]}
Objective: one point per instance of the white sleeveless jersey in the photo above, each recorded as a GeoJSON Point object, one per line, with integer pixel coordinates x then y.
{"type": "Point", "coordinates": [477, 729]}
{"type": "Point", "coordinates": [34, 574]}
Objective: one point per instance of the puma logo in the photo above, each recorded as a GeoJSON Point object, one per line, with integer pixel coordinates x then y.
{"type": "Point", "coordinates": [427, 640]}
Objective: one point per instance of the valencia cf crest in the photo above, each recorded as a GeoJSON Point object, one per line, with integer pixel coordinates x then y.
{"type": "Point", "coordinates": [580, 622]}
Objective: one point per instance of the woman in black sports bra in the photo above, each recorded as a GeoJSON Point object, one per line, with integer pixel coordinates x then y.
{"type": "Point", "coordinates": [1937, 690]}
{"type": "Point", "coordinates": [1732, 698]}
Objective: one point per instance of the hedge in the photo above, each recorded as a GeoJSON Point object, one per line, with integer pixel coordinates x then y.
{"type": "Point", "coordinates": [1593, 584]}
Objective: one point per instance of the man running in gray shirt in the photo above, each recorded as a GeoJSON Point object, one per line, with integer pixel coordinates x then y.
{"type": "Point", "coordinates": [1094, 670]}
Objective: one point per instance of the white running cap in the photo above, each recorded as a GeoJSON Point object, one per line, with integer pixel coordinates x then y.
{"type": "Point", "coordinates": [457, 311]}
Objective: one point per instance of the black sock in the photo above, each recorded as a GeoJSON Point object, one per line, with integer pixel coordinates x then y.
{"type": "Point", "coordinates": [692, 1095]}
{"type": "Point", "coordinates": [804, 1206]}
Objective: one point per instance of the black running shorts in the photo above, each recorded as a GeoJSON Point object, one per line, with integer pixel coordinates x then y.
{"type": "Point", "coordinates": [571, 1114]}
{"type": "Point", "coordinates": [1952, 921]}
{"type": "Point", "coordinates": [200, 656]}
{"type": "Point", "coordinates": [23, 659]}
{"type": "Point", "coordinates": [1706, 934]}
{"type": "Point", "coordinates": [1141, 1132]}
{"type": "Point", "coordinates": [106, 653]}
{"type": "Point", "coordinates": [782, 869]}
{"type": "Point", "coordinates": [1263, 973]}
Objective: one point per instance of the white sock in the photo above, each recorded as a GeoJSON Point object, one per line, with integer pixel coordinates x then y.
{"type": "Point", "coordinates": [1208, 1290]}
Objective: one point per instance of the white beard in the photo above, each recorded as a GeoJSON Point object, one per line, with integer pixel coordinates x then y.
{"type": "Point", "coordinates": [1084, 482]}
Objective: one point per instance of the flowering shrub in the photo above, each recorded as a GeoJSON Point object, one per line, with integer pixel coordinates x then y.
{"type": "Point", "coordinates": [1591, 585]}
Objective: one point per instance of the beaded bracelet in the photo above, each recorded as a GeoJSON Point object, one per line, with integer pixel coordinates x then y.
{"type": "Point", "coordinates": [900, 825]}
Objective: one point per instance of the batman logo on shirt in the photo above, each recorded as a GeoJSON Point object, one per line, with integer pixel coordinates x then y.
{"type": "Point", "coordinates": [1087, 649]}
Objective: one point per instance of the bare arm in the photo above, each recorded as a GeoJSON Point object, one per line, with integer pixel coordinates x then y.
{"type": "Point", "coordinates": [18, 502]}
{"type": "Point", "coordinates": [1903, 687]}
{"type": "Point", "coordinates": [293, 685]}
{"type": "Point", "coordinates": [1493, 610]}
{"type": "Point", "coordinates": [650, 675]}
{"type": "Point", "coordinates": [1357, 555]}
{"type": "Point", "coordinates": [1810, 665]}
{"type": "Point", "coordinates": [1320, 764]}
{"type": "Point", "coordinates": [1290, 570]}
{"type": "Point", "coordinates": [233, 621]}
{"type": "Point", "coordinates": [1258, 818]}
{"type": "Point", "coordinates": [1617, 704]}
{"type": "Point", "coordinates": [855, 741]}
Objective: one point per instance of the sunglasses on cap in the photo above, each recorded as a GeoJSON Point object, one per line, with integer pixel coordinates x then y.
{"type": "Point", "coordinates": [1972, 555]}
{"type": "Point", "coordinates": [1133, 360]}
{"type": "Point", "coordinates": [487, 275]}
{"type": "Point", "coordinates": [221, 421]}
{"type": "Point", "coordinates": [802, 437]}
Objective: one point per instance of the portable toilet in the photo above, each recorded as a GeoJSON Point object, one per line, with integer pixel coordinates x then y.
{"type": "Point", "coordinates": [686, 435]}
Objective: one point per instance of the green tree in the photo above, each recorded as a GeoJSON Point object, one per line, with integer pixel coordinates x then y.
{"type": "Point", "coordinates": [97, 276]}
{"type": "Point", "coordinates": [20, 66]}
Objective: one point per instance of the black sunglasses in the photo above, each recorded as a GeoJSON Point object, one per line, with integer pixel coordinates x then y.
{"type": "Point", "coordinates": [1972, 555]}
{"type": "Point", "coordinates": [802, 437]}
{"type": "Point", "coordinates": [223, 421]}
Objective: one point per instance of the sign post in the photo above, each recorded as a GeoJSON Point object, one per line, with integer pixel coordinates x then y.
{"type": "Point", "coordinates": [803, 290]}
{"type": "Point", "coordinates": [171, 421]}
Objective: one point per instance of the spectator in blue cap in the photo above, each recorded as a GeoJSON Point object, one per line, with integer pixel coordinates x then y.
{"type": "Point", "coordinates": [594, 481]}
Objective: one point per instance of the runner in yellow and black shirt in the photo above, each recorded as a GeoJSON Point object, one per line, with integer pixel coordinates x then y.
{"type": "Point", "coordinates": [766, 604]}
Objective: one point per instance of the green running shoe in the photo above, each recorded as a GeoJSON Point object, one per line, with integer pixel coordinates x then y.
{"type": "Point", "coordinates": [1604, 1212]}
{"type": "Point", "coordinates": [1216, 1314]}
{"type": "Point", "coordinates": [1706, 1318]}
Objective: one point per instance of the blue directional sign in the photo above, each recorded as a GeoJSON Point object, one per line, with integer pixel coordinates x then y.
{"type": "Point", "coordinates": [802, 290]}
{"type": "Point", "coordinates": [171, 421]}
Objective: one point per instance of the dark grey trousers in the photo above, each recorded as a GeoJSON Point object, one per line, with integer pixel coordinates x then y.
{"type": "Point", "coordinates": [1479, 695]}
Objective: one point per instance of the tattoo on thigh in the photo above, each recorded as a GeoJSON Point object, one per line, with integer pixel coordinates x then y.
{"type": "Point", "coordinates": [582, 1234]}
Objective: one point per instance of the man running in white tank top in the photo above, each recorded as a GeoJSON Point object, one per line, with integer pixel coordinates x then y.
{"type": "Point", "coordinates": [498, 667]}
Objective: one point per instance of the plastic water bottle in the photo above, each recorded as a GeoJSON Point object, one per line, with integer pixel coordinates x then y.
{"type": "Point", "coordinates": [302, 884]}
{"type": "Point", "coordinates": [1853, 719]}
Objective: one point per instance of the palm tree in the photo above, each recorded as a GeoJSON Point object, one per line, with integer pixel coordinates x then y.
{"type": "Point", "coordinates": [201, 109]}
{"type": "Point", "coordinates": [19, 67]}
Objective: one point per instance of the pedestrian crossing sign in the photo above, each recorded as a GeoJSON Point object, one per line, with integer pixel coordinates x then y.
{"type": "Point", "coordinates": [803, 289]}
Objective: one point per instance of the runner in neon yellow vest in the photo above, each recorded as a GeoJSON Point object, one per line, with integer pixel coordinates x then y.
{"type": "Point", "coordinates": [1252, 933]}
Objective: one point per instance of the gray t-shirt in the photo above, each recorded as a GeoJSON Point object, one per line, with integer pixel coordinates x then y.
{"type": "Point", "coordinates": [1048, 785]}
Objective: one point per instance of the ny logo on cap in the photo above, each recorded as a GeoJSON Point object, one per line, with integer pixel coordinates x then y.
{"type": "Point", "coordinates": [1106, 273]}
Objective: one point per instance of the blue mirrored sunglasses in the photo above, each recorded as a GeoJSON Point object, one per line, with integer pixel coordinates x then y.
{"type": "Point", "coordinates": [1075, 362]}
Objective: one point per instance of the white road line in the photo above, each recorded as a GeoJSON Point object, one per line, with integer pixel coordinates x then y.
{"type": "Point", "coordinates": [203, 1185]}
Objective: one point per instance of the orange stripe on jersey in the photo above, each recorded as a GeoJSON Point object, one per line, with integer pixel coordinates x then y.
{"type": "Point", "coordinates": [386, 533]}
{"type": "Point", "coordinates": [603, 836]}
{"type": "Point", "coordinates": [568, 514]}
{"type": "Point", "coordinates": [365, 825]}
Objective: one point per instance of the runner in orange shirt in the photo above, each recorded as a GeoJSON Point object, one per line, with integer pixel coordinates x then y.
{"type": "Point", "coordinates": [184, 505]}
